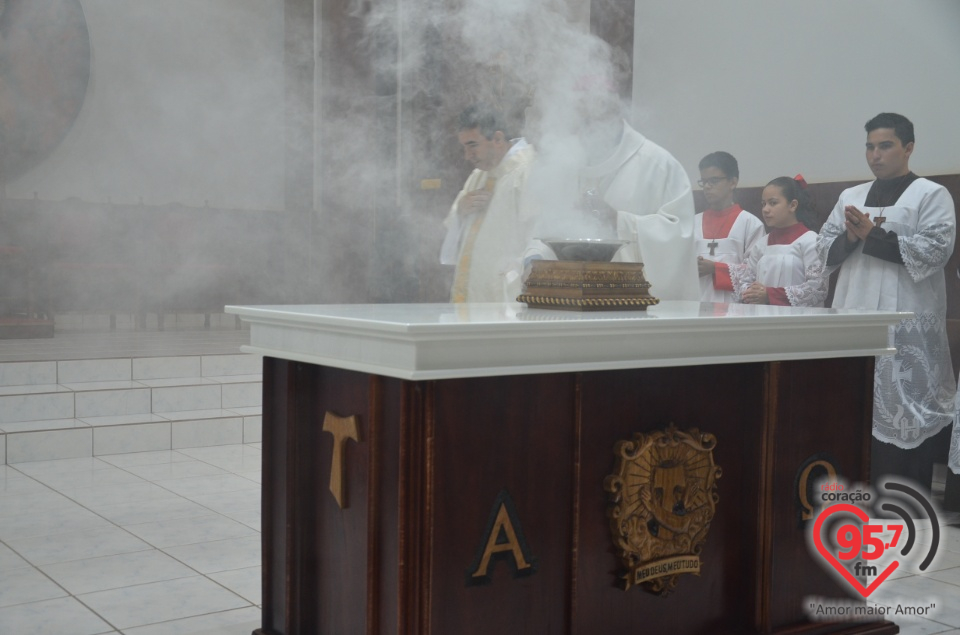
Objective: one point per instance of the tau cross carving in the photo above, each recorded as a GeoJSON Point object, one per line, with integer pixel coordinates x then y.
{"type": "Point", "coordinates": [342, 428]}
{"type": "Point", "coordinates": [713, 245]}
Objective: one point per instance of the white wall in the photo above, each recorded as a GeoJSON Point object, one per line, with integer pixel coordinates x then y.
{"type": "Point", "coordinates": [787, 86]}
{"type": "Point", "coordinates": [185, 104]}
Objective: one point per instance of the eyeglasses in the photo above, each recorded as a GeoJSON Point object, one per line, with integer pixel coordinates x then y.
{"type": "Point", "coordinates": [712, 181]}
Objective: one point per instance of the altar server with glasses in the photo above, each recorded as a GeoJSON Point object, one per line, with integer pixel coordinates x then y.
{"type": "Point", "coordinates": [724, 232]}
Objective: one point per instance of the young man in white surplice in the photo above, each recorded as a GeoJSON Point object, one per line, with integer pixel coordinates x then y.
{"type": "Point", "coordinates": [891, 239]}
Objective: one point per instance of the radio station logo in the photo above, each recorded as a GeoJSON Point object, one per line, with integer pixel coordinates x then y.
{"type": "Point", "coordinates": [864, 535]}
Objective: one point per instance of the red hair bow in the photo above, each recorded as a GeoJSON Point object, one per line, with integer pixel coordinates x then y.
{"type": "Point", "coordinates": [799, 179]}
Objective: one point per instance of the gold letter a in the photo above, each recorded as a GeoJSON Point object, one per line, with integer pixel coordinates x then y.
{"type": "Point", "coordinates": [504, 523]}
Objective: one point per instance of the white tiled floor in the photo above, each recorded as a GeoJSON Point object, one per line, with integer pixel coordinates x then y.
{"type": "Point", "coordinates": [150, 543]}
{"type": "Point", "coordinates": [164, 543]}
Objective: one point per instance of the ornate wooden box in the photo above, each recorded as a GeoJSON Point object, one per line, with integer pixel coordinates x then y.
{"type": "Point", "coordinates": [587, 286]}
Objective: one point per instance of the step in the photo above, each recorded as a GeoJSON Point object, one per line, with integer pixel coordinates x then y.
{"type": "Point", "coordinates": [90, 321]}
{"type": "Point", "coordinates": [25, 328]}
{"type": "Point", "coordinates": [79, 408]}
{"type": "Point", "coordinates": [125, 369]}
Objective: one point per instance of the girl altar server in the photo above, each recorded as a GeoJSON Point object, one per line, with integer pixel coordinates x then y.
{"type": "Point", "coordinates": [782, 268]}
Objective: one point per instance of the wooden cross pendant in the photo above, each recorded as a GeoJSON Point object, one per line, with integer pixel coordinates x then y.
{"type": "Point", "coordinates": [879, 220]}
{"type": "Point", "coordinates": [713, 245]}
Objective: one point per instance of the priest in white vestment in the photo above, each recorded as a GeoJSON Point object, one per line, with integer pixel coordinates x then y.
{"type": "Point", "coordinates": [634, 189]}
{"type": "Point", "coordinates": [891, 239]}
{"type": "Point", "coordinates": [487, 227]}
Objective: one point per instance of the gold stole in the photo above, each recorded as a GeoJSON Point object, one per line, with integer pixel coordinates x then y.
{"type": "Point", "coordinates": [459, 292]}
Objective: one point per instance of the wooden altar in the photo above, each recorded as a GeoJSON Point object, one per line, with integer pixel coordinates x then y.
{"type": "Point", "coordinates": [437, 469]}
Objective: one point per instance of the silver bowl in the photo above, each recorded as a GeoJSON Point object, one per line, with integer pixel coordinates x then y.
{"type": "Point", "coordinates": [585, 249]}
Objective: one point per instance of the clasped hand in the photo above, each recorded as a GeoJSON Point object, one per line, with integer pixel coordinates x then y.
{"type": "Point", "coordinates": [473, 202]}
{"type": "Point", "coordinates": [756, 293]}
{"type": "Point", "coordinates": [857, 223]}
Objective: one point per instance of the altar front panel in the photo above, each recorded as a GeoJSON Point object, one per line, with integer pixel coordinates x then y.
{"type": "Point", "coordinates": [492, 435]}
{"type": "Point", "coordinates": [434, 458]}
{"type": "Point", "coordinates": [725, 401]}
{"type": "Point", "coordinates": [823, 411]}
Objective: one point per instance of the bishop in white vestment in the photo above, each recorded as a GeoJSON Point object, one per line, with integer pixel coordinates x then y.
{"type": "Point", "coordinates": [650, 201]}
{"type": "Point", "coordinates": [654, 201]}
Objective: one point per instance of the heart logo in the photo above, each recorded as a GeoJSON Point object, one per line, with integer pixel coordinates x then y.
{"type": "Point", "coordinates": [832, 559]}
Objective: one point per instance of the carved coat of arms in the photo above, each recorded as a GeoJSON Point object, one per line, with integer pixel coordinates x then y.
{"type": "Point", "coordinates": [663, 498]}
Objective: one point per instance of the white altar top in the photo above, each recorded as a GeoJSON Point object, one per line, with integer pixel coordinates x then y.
{"type": "Point", "coordinates": [443, 341]}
